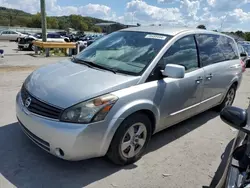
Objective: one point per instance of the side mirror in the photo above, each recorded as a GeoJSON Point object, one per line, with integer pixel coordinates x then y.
{"type": "Point", "coordinates": [174, 71]}
{"type": "Point", "coordinates": [243, 54]}
{"type": "Point", "coordinates": [235, 117]}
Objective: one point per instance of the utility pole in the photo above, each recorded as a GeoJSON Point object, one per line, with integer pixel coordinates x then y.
{"type": "Point", "coordinates": [43, 20]}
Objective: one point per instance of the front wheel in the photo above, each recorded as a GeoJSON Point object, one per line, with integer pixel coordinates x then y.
{"type": "Point", "coordinates": [31, 47]}
{"type": "Point", "coordinates": [130, 140]}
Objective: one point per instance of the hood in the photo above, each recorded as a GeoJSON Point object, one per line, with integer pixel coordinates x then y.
{"type": "Point", "coordinates": [66, 83]}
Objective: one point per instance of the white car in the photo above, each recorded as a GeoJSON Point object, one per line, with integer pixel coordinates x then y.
{"type": "Point", "coordinates": [11, 35]}
{"type": "Point", "coordinates": [27, 42]}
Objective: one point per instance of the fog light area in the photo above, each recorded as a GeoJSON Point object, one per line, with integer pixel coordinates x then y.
{"type": "Point", "coordinates": [59, 152]}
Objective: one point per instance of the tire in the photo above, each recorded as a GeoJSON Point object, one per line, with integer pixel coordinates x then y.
{"type": "Point", "coordinates": [247, 63]}
{"type": "Point", "coordinates": [31, 47]}
{"type": "Point", "coordinates": [229, 98]}
{"type": "Point", "coordinates": [138, 144]}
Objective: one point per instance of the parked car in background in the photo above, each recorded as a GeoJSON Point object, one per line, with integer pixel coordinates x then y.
{"type": "Point", "coordinates": [244, 54]}
{"type": "Point", "coordinates": [237, 169]}
{"type": "Point", "coordinates": [62, 33]}
{"type": "Point", "coordinates": [27, 42]}
{"type": "Point", "coordinates": [85, 38]}
{"type": "Point", "coordinates": [11, 35]}
{"type": "Point", "coordinates": [26, 33]}
{"type": "Point", "coordinates": [55, 37]}
{"type": "Point", "coordinates": [114, 95]}
{"type": "Point", "coordinates": [89, 42]}
{"type": "Point", "coordinates": [246, 46]}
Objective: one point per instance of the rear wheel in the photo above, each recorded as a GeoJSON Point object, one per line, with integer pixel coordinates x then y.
{"type": "Point", "coordinates": [130, 140]}
{"type": "Point", "coordinates": [229, 99]}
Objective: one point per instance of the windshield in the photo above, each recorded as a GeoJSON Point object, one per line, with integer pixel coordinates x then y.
{"type": "Point", "coordinates": [247, 48]}
{"type": "Point", "coordinates": [125, 51]}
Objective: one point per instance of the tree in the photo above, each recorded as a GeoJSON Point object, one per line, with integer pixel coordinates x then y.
{"type": "Point", "coordinates": [138, 24]}
{"type": "Point", "coordinates": [76, 22]}
{"type": "Point", "coordinates": [12, 15]}
{"type": "Point", "coordinates": [52, 23]}
{"type": "Point", "coordinates": [201, 27]}
{"type": "Point", "coordinates": [83, 26]}
{"type": "Point", "coordinates": [247, 36]}
{"type": "Point", "coordinates": [36, 21]}
{"type": "Point", "coordinates": [97, 29]}
{"type": "Point", "coordinates": [240, 34]}
{"type": "Point", "coordinates": [63, 23]}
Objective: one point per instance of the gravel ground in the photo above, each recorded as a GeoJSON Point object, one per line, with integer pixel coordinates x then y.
{"type": "Point", "coordinates": [185, 155]}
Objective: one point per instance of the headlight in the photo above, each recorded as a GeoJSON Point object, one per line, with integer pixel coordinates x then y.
{"type": "Point", "coordinates": [90, 111]}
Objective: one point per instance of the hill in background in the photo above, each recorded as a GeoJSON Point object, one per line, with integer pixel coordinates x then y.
{"type": "Point", "coordinates": [14, 17]}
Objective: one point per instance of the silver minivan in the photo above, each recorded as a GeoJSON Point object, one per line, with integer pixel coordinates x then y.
{"type": "Point", "coordinates": [114, 95]}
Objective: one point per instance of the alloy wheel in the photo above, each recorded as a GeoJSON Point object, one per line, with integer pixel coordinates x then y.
{"type": "Point", "coordinates": [230, 97]}
{"type": "Point", "coordinates": [134, 140]}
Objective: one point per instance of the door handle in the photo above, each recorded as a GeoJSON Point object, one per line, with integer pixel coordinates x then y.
{"type": "Point", "coordinates": [210, 76]}
{"type": "Point", "coordinates": [199, 80]}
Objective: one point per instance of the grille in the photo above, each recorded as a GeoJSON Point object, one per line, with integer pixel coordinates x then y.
{"type": "Point", "coordinates": [38, 107]}
{"type": "Point", "coordinates": [40, 142]}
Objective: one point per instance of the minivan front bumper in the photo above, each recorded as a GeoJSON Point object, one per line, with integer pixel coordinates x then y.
{"type": "Point", "coordinates": [74, 141]}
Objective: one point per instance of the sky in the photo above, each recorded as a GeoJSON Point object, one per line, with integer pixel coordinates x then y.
{"type": "Point", "coordinates": [222, 15]}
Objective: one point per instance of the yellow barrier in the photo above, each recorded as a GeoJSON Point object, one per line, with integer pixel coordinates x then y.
{"type": "Point", "coordinates": [55, 44]}
{"type": "Point", "coordinates": [47, 45]}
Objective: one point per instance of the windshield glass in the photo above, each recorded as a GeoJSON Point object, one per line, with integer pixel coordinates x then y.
{"type": "Point", "coordinates": [125, 51]}
{"type": "Point", "coordinates": [247, 48]}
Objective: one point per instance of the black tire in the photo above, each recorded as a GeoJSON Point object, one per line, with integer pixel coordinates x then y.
{"type": "Point", "coordinates": [247, 63]}
{"type": "Point", "coordinates": [115, 152]}
{"type": "Point", "coordinates": [30, 47]}
{"type": "Point", "coordinates": [225, 101]}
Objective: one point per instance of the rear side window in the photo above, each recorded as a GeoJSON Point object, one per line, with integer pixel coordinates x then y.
{"type": "Point", "coordinates": [231, 49]}
{"type": "Point", "coordinates": [216, 48]}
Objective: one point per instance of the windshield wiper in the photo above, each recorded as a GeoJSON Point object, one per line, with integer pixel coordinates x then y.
{"type": "Point", "coordinates": [92, 64]}
{"type": "Point", "coordinates": [76, 60]}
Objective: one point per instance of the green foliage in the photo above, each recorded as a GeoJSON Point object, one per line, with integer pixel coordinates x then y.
{"type": "Point", "coordinates": [35, 21]}
{"type": "Point", "coordinates": [63, 23]}
{"type": "Point", "coordinates": [241, 34]}
{"type": "Point", "coordinates": [247, 36]}
{"type": "Point", "coordinates": [97, 29]}
{"type": "Point", "coordinates": [83, 26]}
{"type": "Point", "coordinates": [52, 23]}
{"type": "Point", "coordinates": [13, 17]}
